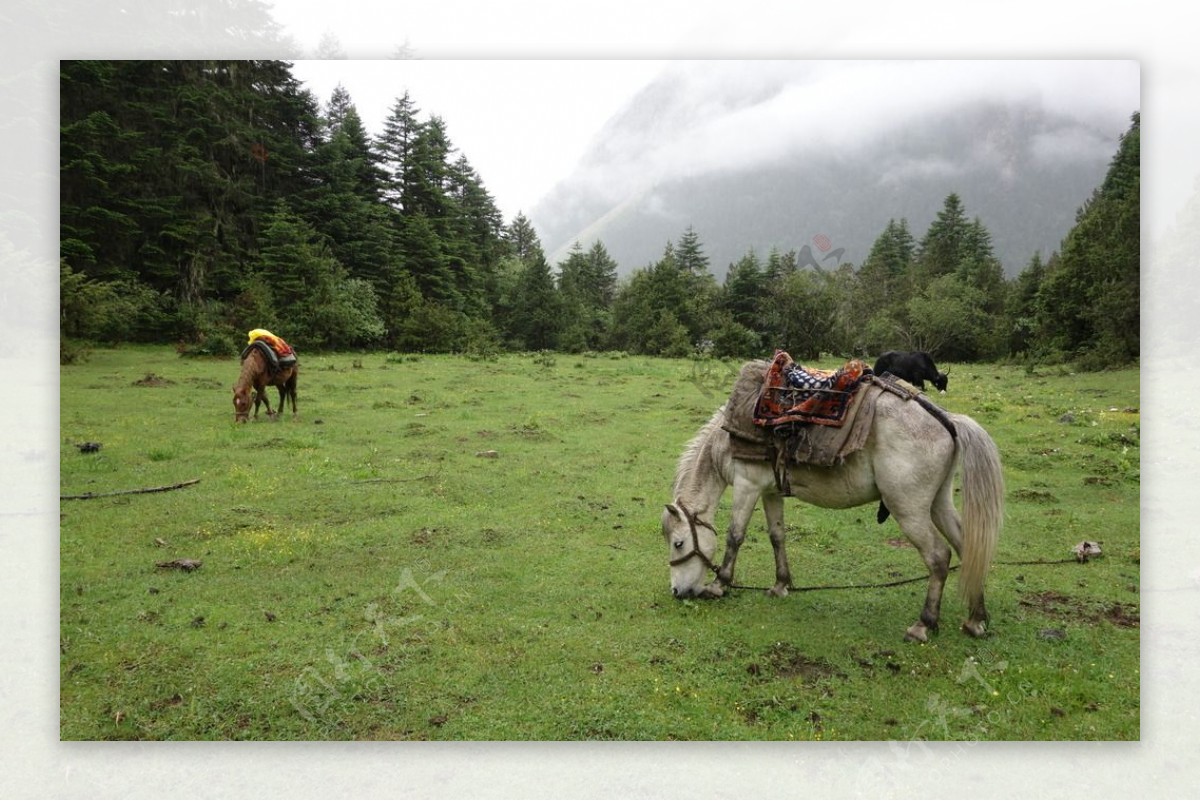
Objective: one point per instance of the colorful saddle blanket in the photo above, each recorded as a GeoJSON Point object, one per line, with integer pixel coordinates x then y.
{"type": "Point", "coordinates": [276, 361]}
{"type": "Point", "coordinates": [795, 394]}
{"type": "Point", "coordinates": [281, 348]}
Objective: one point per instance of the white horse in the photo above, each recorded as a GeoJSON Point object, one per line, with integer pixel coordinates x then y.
{"type": "Point", "coordinates": [908, 461]}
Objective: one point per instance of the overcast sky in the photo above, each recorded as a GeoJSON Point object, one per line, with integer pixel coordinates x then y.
{"type": "Point", "coordinates": [524, 125]}
{"type": "Point", "coordinates": [705, 29]}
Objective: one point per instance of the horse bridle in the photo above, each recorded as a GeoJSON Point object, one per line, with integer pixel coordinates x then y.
{"type": "Point", "coordinates": [694, 522]}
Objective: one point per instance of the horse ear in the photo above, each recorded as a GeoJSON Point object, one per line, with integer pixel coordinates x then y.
{"type": "Point", "coordinates": [674, 511]}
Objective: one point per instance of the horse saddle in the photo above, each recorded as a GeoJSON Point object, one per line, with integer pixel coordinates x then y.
{"type": "Point", "coordinates": [275, 362]}
{"type": "Point", "coordinates": [794, 394]}
{"type": "Point", "coordinates": [775, 428]}
{"type": "Point", "coordinates": [768, 418]}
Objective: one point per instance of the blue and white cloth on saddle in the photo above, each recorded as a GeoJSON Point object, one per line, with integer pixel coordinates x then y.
{"type": "Point", "coordinates": [800, 378]}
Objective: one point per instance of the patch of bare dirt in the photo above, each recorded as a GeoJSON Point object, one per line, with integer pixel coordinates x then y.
{"type": "Point", "coordinates": [783, 660]}
{"type": "Point", "coordinates": [427, 535]}
{"type": "Point", "coordinates": [1056, 604]}
{"type": "Point", "coordinates": [1126, 616]}
{"type": "Point", "coordinates": [152, 380]}
{"type": "Point", "coordinates": [187, 565]}
{"type": "Point", "coordinates": [1034, 495]}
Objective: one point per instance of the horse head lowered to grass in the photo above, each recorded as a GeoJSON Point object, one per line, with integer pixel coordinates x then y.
{"type": "Point", "coordinates": [260, 371]}
{"type": "Point", "coordinates": [906, 457]}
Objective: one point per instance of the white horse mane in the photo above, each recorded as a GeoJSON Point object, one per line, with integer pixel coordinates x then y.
{"type": "Point", "coordinates": [694, 452]}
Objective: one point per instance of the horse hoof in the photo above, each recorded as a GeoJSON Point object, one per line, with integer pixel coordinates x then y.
{"type": "Point", "coordinates": [917, 633]}
{"type": "Point", "coordinates": [974, 628]}
{"type": "Point", "coordinates": [779, 591]}
{"type": "Point", "coordinates": [714, 590]}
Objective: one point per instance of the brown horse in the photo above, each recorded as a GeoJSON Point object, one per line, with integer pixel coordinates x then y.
{"type": "Point", "coordinates": [256, 375]}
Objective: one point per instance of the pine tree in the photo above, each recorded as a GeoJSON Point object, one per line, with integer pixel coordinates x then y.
{"type": "Point", "coordinates": [289, 257]}
{"type": "Point", "coordinates": [979, 267]}
{"type": "Point", "coordinates": [329, 47]}
{"type": "Point", "coordinates": [602, 276]}
{"type": "Point", "coordinates": [780, 265]}
{"type": "Point", "coordinates": [400, 131]}
{"type": "Point", "coordinates": [100, 155]}
{"type": "Point", "coordinates": [313, 296]}
{"type": "Point", "coordinates": [587, 284]}
{"type": "Point", "coordinates": [1089, 303]}
{"type": "Point", "coordinates": [199, 150]}
{"type": "Point", "coordinates": [745, 289]}
{"type": "Point", "coordinates": [943, 245]}
{"type": "Point", "coordinates": [345, 204]}
{"type": "Point", "coordinates": [572, 276]}
{"type": "Point", "coordinates": [663, 309]}
{"type": "Point", "coordinates": [884, 274]}
{"type": "Point", "coordinates": [537, 309]}
{"type": "Point", "coordinates": [689, 255]}
{"type": "Point", "coordinates": [336, 109]}
{"type": "Point", "coordinates": [589, 278]}
{"type": "Point", "coordinates": [955, 269]}
{"type": "Point", "coordinates": [425, 259]}
{"type": "Point", "coordinates": [474, 230]}
{"type": "Point", "coordinates": [522, 238]}
{"type": "Point", "coordinates": [686, 287]}
{"type": "Point", "coordinates": [645, 312]}
{"type": "Point", "coordinates": [369, 178]}
{"type": "Point", "coordinates": [427, 177]}
{"type": "Point", "coordinates": [1021, 309]}
{"type": "Point", "coordinates": [885, 284]}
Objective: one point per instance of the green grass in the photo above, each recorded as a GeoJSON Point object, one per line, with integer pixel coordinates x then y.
{"type": "Point", "coordinates": [370, 571]}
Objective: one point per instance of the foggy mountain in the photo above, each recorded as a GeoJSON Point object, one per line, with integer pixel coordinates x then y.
{"type": "Point", "coordinates": [795, 155]}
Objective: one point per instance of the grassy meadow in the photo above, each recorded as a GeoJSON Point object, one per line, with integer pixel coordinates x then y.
{"type": "Point", "coordinates": [448, 548]}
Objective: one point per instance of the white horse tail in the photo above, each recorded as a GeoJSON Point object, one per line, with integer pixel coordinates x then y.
{"type": "Point", "coordinates": [983, 507]}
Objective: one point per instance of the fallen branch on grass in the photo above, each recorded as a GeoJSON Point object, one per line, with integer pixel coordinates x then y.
{"type": "Point", "coordinates": [392, 480]}
{"type": "Point", "coordinates": [144, 490]}
{"type": "Point", "coordinates": [180, 564]}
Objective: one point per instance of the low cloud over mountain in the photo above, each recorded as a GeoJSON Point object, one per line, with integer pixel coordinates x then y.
{"type": "Point", "coordinates": [822, 154]}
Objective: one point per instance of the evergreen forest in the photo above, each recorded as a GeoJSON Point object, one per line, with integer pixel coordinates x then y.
{"type": "Point", "coordinates": [201, 199]}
